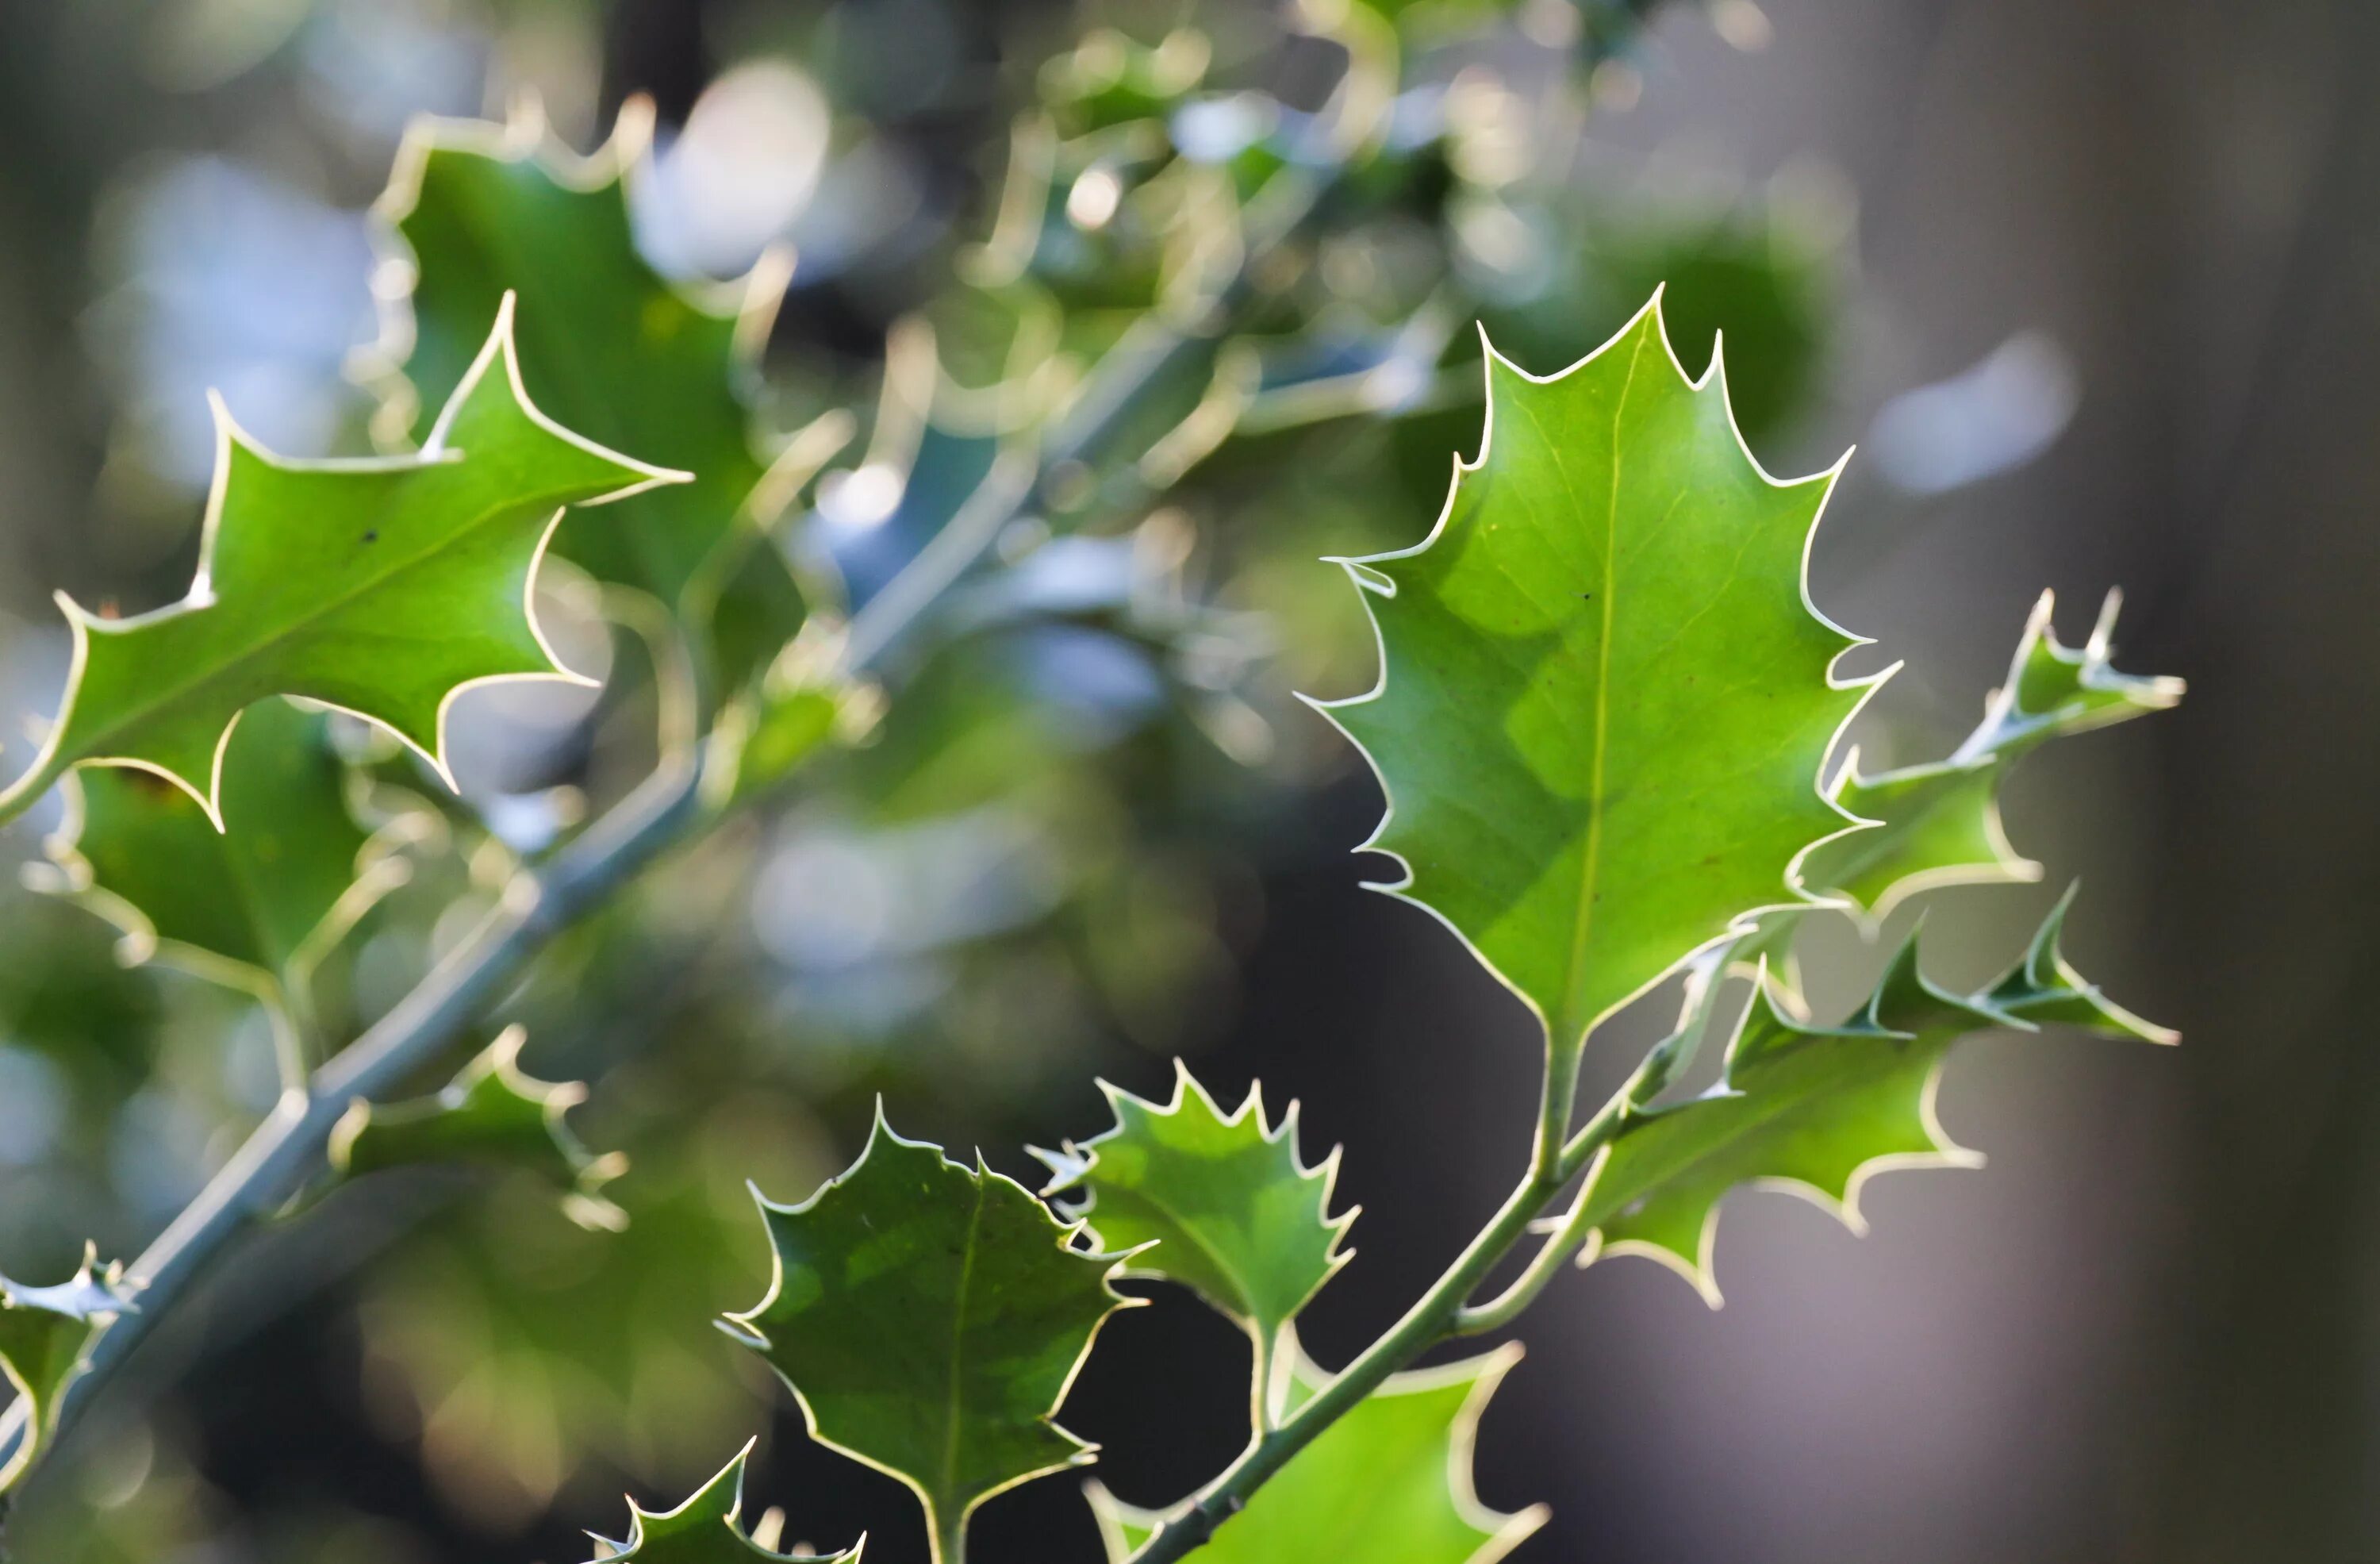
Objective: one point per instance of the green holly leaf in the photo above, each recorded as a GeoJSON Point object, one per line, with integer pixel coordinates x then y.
{"type": "Point", "coordinates": [1387, 1484]}
{"type": "Point", "coordinates": [492, 1116]}
{"type": "Point", "coordinates": [704, 1529]}
{"type": "Point", "coordinates": [384, 586]}
{"type": "Point", "coordinates": [610, 344]}
{"type": "Point", "coordinates": [1230, 1210]}
{"type": "Point", "coordinates": [1817, 1110]}
{"type": "Point", "coordinates": [2045, 989]}
{"type": "Point", "coordinates": [45, 1338]}
{"type": "Point", "coordinates": [930, 1318]}
{"type": "Point", "coordinates": [254, 903]}
{"type": "Point", "coordinates": [1605, 698]}
{"type": "Point", "coordinates": [1941, 822]}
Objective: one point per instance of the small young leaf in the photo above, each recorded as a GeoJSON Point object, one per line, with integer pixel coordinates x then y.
{"type": "Point", "coordinates": [1819, 1110]}
{"type": "Point", "coordinates": [1605, 699]}
{"type": "Point", "coordinates": [492, 1116]}
{"type": "Point", "coordinates": [930, 1318]}
{"type": "Point", "coordinates": [1940, 823]}
{"type": "Point", "coordinates": [704, 1529]}
{"type": "Point", "coordinates": [606, 342]}
{"type": "Point", "coordinates": [290, 870]}
{"type": "Point", "coordinates": [383, 586]}
{"type": "Point", "coordinates": [45, 1338]}
{"type": "Point", "coordinates": [1232, 1213]}
{"type": "Point", "coordinates": [1387, 1484]}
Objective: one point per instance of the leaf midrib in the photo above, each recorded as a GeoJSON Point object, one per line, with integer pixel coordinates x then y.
{"type": "Point", "coordinates": [1572, 1027]}
{"type": "Point", "coordinates": [952, 1406]}
{"type": "Point", "coordinates": [262, 646]}
{"type": "Point", "coordinates": [1231, 1272]}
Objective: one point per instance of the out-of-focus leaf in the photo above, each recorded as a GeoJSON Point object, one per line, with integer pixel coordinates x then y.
{"type": "Point", "coordinates": [930, 1318]}
{"type": "Point", "coordinates": [382, 586]}
{"type": "Point", "coordinates": [773, 728]}
{"type": "Point", "coordinates": [1110, 79]}
{"type": "Point", "coordinates": [1605, 699]}
{"type": "Point", "coordinates": [492, 1116]}
{"type": "Point", "coordinates": [1819, 1110]}
{"type": "Point", "coordinates": [704, 1529]}
{"type": "Point", "coordinates": [45, 1338]}
{"type": "Point", "coordinates": [1389, 1483]}
{"type": "Point", "coordinates": [1231, 1212]}
{"type": "Point", "coordinates": [288, 873]}
{"type": "Point", "coordinates": [1941, 822]}
{"type": "Point", "coordinates": [611, 347]}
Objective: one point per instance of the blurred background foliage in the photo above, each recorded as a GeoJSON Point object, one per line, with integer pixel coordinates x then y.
{"type": "Point", "coordinates": [2087, 283]}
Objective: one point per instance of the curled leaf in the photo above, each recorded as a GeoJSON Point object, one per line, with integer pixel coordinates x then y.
{"type": "Point", "coordinates": [1939, 824]}
{"type": "Point", "coordinates": [1819, 1110]}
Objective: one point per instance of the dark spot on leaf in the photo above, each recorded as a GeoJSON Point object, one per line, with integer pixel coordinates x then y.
{"type": "Point", "coordinates": [372, 536]}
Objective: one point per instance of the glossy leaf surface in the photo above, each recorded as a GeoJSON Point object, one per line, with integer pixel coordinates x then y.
{"type": "Point", "coordinates": [1230, 1210]}
{"type": "Point", "coordinates": [931, 1317]}
{"type": "Point", "coordinates": [1605, 700]}
{"type": "Point", "coordinates": [382, 586]}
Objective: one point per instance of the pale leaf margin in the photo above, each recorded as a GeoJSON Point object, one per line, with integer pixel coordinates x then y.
{"type": "Point", "coordinates": [624, 160]}
{"type": "Point", "coordinates": [743, 1328]}
{"type": "Point", "coordinates": [1702, 1273]}
{"type": "Point", "coordinates": [381, 866]}
{"type": "Point", "coordinates": [1980, 752]}
{"type": "Point", "coordinates": [1070, 1164]}
{"type": "Point", "coordinates": [1796, 897]}
{"type": "Point", "coordinates": [46, 768]}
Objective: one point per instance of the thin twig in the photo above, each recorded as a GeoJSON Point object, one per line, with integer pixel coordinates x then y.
{"type": "Point", "coordinates": [287, 1148]}
{"type": "Point", "coordinates": [1433, 1318]}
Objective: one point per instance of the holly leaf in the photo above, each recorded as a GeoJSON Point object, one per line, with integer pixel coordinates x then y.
{"type": "Point", "coordinates": [492, 1116]}
{"type": "Point", "coordinates": [2045, 989]}
{"type": "Point", "coordinates": [254, 903]}
{"type": "Point", "coordinates": [1940, 823]}
{"type": "Point", "coordinates": [384, 586]}
{"type": "Point", "coordinates": [609, 344]}
{"type": "Point", "coordinates": [930, 1318]}
{"type": "Point", "coordinates": [1389, 1483]}
{"type": "Point", "coordinates": [45, 1339]}
{"type": "Point", "coordinates": [704, 1529]}
{"type": "Point", "coordinates": [1817, 1111]}
{"type": "Point", "coordinates": [1605, 698]}
{"type": "Point", "coordinates": [1230, 1210]}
